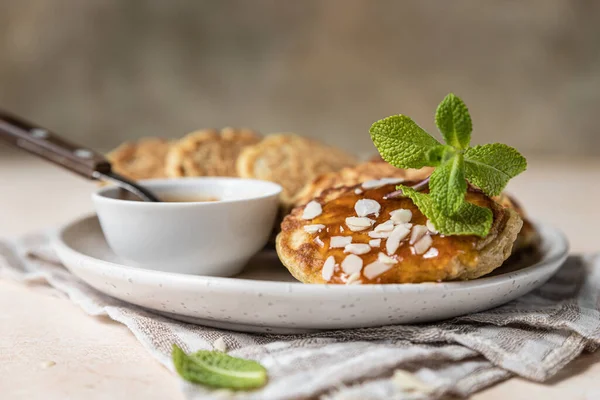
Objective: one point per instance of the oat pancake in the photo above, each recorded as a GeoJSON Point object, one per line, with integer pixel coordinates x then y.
{"type": "Point", "coordinates": [208, 152]}
{"type": "Point", "coordinates": [528, 239]}
{"type": "Point", "coordinates": [355, 175]}
{"type": "Point", "coordinates": [315, 249]}
{"type": "Point", "coordinates": [143, 159]}
{"type": "Point", "coordinates": [290, 160]}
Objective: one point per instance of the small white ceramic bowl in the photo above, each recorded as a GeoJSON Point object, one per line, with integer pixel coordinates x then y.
{"type": "Point", "coordinates": [203, 238]}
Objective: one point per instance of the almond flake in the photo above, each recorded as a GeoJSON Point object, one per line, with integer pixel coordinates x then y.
{"type": "Point", "coordinates": [384, 258]}
{"type": "Point", "coordinates": [375, 242]}
{"type": "Point", "coordinates": [220, 344]}
{"type": "Point", "coordinates": [408, 382]}
{"type": "Point", "coordinates": [431, 227]}
{"type": "Point", "coordinates": [364, 207]}
{"type": "Point", "coordinates": [341, 228]}
{"type": "Point", "coordinates": [319, 242]}
{"type": "Point", "coordinates": [379, 235]}
{"type": "Point", "coordinates": [357, 248]}
{"type": "Point", "coordinates": [372, 184]}
{"type": "Point", "coordinates": [328, 267]}
{"type": "Point", "coordinates": [375, 269]}
{"type": "Point", "coordinates": [401, 216]}
{"type": "Point", "coordinates": [389, 181]}
{"type": "Point", "coordinates": [313, 228]}
{"type": "Point", "coordinates": [397, 235]}
{"type": "Point", "coordinates": [312, 210]}
{"type": "Point", "coordinates": [352, 264]}
{"type": "Point", "coordinates": [357, 191]}
{"type": "Point", "coordinates": [387, 226]}
{"type": "Point", "coordinates": [377, 183]}
{"type": "Point", "coordinates": [356, 224]}
{"type": "Point", "coordinates": [423, 244]}
{"type": "Point", "coordinates": [354, 279]}
{"type": "Point", "coordinates": [47, 364]}
{"type": "Point", "coordinates": [339, 241]}
{"type": "Point", "coordinates": [432, 252]}
{"type": "Point", "coordinates": [418, 231]}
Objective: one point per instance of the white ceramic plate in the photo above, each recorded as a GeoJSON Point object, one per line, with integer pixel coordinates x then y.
{"type": "Point", "coordinates": [266, 298]}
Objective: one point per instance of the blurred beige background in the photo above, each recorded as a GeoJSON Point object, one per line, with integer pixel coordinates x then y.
{"type": "Point", "coordinates": [104, 71]}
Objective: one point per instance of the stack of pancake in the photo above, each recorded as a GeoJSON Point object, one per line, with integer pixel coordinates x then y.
{"type": "Point", "coordinates": [286, 158]}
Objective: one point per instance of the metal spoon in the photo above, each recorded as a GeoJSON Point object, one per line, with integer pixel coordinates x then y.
{"type": "Point", "coordinates": [49, 146]}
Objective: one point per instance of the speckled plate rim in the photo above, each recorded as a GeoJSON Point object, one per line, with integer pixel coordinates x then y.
{"type": "Point", "coordinates": [554, 251]}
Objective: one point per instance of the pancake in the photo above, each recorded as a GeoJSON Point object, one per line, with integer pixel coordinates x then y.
{"type": "Point", "coordinates": [308, 247]}
{"type": "Point", "coordinates": [142, 159]}
{"type": "Point", "coordinates": [292, 161]}
{"type": "Point", "coordinates": [528, 240]}
{"type": "Point", "coordinates": [350, 176]}
{"type": "Point", "coordinates": [208, 152]}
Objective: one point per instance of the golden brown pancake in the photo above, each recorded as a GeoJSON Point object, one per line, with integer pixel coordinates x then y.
{"type": "Point", "coordinates": [437, 258]}
{"type": "Point", "coordinates": [143, 159]}
{"type": "Point", "coordinates": [290, 160]}
{"type": "Point", "coordinates": [355, 175]}
{"type": "Point", "coordinates": [528, 239]}
{"type": "Point", "coordinates": [208, 152]}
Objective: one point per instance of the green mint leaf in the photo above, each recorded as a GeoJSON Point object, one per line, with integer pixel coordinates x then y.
{"type": "Point", "coordinates": [438, 154]}
{"type": "Point", "coordinates": [218, 370]}
{"type": "Point", "coordinates": [454, 122]}
{"type": "Point", "coordinates": [401, 142]}
{"type": "Point", "coordinates": [491, 166]}
{"type": "Point", "coordinates": [448, 185]}
{"type": "Point", "coordinates": [470, 219]}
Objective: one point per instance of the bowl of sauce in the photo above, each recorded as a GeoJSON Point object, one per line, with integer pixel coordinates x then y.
{"type": "Point", "coordinates": [202, 226]}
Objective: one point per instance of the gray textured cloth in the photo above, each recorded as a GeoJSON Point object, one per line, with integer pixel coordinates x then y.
{"type": "Point", "coordinates": [533, 337]}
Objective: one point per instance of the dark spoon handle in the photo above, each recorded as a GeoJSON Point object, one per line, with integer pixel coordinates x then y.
{"type": "Point", "coordinates": [43, 143]}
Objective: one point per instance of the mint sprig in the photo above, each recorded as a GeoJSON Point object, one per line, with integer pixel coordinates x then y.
{"type": "Point", "coordinates": [218, 370]}
{"type": "Point", "coordinates": [404, 144]}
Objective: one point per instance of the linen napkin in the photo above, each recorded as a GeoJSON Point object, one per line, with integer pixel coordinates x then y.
{"type": "Point", "coordinates": [532, 337]}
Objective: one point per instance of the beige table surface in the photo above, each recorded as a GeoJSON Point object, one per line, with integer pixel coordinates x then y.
{"type": "Point", "coordinates": [99, 358]}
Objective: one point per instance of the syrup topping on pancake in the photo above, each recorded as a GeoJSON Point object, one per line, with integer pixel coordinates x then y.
{"type": "Point", "coordinates": [362, 236]}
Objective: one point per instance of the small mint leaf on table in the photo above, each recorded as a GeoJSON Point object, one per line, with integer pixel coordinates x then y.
{"type": "Point", "coordinates": [218, 370]}
{"type": "Point", "coordinates": [401, 142]}
{"type": "Point", "coordinates": [470, 219]}
{"type": "Point", "coordinates": [491, 166]}
{"type": "Point", "coordinates": [454, 122]}
{"type": "Point", "coordinates": [448, 185]}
